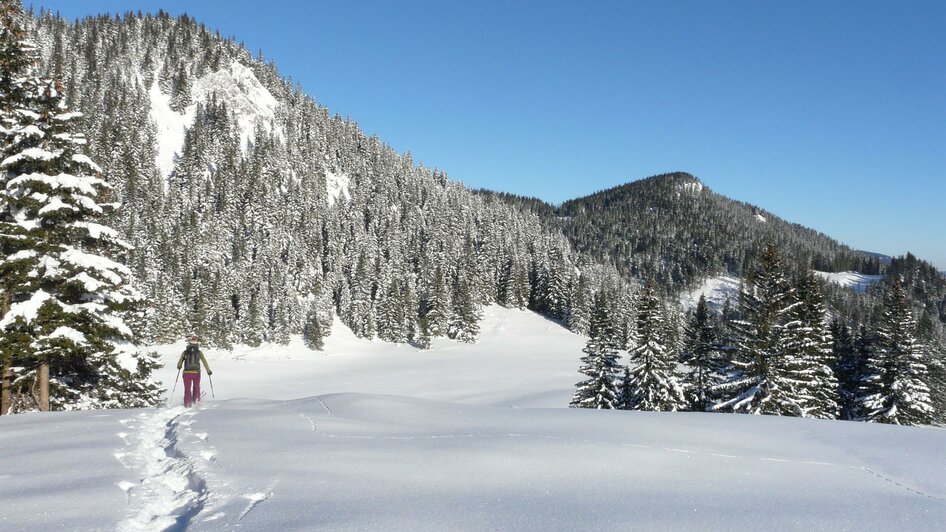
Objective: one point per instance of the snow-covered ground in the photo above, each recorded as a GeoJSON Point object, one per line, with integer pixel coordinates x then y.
{"type": "Point", "coordinates": [373, 436]}
{"type": "Point", "coordinates": [853, 280]}
{"type": "Point", "coordinates": [716, 290]}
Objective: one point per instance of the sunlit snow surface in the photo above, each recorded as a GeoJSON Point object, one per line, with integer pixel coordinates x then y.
{"type": "Point", "coordinates": [380, 437]}
{"type": "Point", "coordinates": [853, 280]}
{"type": "Point", "coordinates": [716, 290]}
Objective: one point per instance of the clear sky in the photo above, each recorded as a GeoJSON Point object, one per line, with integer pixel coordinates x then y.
{"type": "Point", "coordinates": [829, 114]}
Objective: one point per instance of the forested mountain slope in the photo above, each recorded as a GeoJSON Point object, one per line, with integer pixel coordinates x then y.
{"type": "Point", "coordinates": [674, 230]}
{"type": "Point", "coordinates": [255, 212]}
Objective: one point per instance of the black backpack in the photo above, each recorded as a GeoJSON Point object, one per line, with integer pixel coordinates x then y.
{"type": "Point", "coordinates": [192, 358]}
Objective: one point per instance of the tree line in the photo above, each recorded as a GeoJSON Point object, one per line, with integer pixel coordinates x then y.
{"type": "Point", "coordinates": [778, 351]}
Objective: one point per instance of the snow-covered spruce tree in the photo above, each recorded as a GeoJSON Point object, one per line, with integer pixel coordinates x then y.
{"type": "Point", "coordinates": [653, 383]}
{"type": "Point", "coordinates": [934, 356]}
{"type": "Point", "coordinates": [625, 390]}
{"type": "Point", "coordinates": [701, 356]}
{"type": "Point", "coordinates": [464, 320]}
{"type": "Point", "coordinates": [849, 369]}
{"type": "Point", "coordinates": [16, 58]}
{"type": "Point", "coordinates": [317, 325]}
{"type": "Point", "coordinates": [897, 391]}
{"type": "Point", "coordinates": [437, 307]}
{"type": "Point", "coordinates": [760, 383]}
{"type": "Point", "coordinates": [578, 309]}
{"type": "Point", "coordinates": [65, 320]}
{"type": "Point", "coordinates": [600, 362]}
{"type": "Point", "coordinates": [808, 351]}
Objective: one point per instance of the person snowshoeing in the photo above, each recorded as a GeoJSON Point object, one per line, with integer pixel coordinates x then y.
{"type": "Point", "coordinates": [190, 360]}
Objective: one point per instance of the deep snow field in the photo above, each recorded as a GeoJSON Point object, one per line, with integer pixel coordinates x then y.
{"type": "Point", "coordinates": [374, 436]}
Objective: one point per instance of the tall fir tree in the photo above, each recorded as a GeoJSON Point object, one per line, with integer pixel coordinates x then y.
{"type": "Point", "coordinates": [760, 382]}
{"type": "Point", "coordinates": [896, 390]}
{"type": "Point", "coordinates": [65, 322]}
{"type": "Point", "coordinates": [653, 383]}
{"type": "Point", "coordinates": [701, 355]}
{"type": "Point", "coordinates": [600, 363]}
{"type": "Point", "coordinates": [808, 353]}
{"type": "Point", "coordinates": [578, 306]}
{"type": "Point", "coordinates": [17, 55]}
{"type": "Point", "coordinates": [850, 367]}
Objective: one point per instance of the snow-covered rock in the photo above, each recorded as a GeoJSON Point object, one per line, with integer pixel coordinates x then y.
{"type": "Point", "coordinates": [691, 187]}
{"type": "Point", "coordinates": [244, 95]}
{"type": "Point", "coordinates": [237, 86]}
{"type": "Point", "coordinates": [171, 127]}
{"type": "Point", "coordinates": [337, 185]}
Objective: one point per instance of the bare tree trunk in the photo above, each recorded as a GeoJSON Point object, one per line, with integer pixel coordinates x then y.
{"type": "Point", "coordinates": [7, 379]}
{"type": "Point", "coordinates": [6, 398]}
{"type": "Point", "coordinates": [44, 386]}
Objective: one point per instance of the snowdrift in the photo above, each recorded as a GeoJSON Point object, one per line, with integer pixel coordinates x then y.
{"type": "Point", "coordinates": [453, 439]}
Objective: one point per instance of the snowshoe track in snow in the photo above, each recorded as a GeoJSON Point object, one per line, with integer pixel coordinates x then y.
{"type": "Point", "coordinates": [169, 492]}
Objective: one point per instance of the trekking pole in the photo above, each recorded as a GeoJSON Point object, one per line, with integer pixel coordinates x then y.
{"type": "Point", "coordinates": [210, 377]}
{"type": "Point", "coordinates": [175, 386]}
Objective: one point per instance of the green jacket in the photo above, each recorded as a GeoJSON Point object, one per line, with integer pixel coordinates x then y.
{"type": "Point", "coordinates": [180, 363]}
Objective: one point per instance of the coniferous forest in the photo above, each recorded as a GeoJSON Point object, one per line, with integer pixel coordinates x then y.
{"type": "Point", "coordinates": [272, 217]}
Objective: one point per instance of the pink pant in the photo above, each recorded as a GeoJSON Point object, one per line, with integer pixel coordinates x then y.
{"type": "Point", "coordinates": [191, 388]}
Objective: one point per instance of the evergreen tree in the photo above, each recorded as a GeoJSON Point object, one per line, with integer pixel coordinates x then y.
{"type": "Point", "coordinates": [701, 356]}
{"type": "Point", "coordinates": [934, 356]}
{"type": "Point", "coordinates": [654, 384]}
{"type": "Point", "coordinates": [625, 391]}
{"type": "Point", "coordinates": [578, 307]}
{"type": "Point", "coordinates": [760, 383]}
{"type": "Point", "coordinates": [464, 321]}
{"type": "Point", "coordinates": [850, 368]}
{"type": "Point", "coordinates": [17, 55]}
{"type": "Point", "coordinates": [423, 335]}
{"type": "Point", "coordinates": [808, 352]}
{"type": "Point", "coordinates": [181, 90]}
{"type": "Point", "coordinates": [896, 390]}
{"type": "Point", "coordinates": [313, 333]}
{"type": "Point", "coordinates": [600, 363]}
{"type": "Point", "coordinates": [438, 306]}
{"type": "Point", "coordinates": [65, 324]}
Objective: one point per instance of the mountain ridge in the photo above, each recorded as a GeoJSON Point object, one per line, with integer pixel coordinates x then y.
{"type": "Point", "coordinates": [320, 216]}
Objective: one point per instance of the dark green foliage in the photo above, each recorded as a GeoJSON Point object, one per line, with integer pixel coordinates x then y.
{"type": "Point", "coordinates": [808, 350]}
{"type": "Point", "coordinates": [762, 381]}
{"type": "Point", "coordinates": [600, 363]}
{"type": "Point", "coordinates": [67, 312]}
{"type": "Point", "coordinates": [701, 354]}
{"type": "Point", "coordinates": [653, 383]}
{"type": "Point", "coordinates": [850, 357]}
{"type": "Point", "coordinates": [897, 389]}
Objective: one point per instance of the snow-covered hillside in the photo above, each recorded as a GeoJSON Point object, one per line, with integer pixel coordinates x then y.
{"type": "Point", "coordinates": [853, 280]}
{"type": "Point", "coordinates": [374, 436]}
{"type": "Point", "coordinates": [716, 290]}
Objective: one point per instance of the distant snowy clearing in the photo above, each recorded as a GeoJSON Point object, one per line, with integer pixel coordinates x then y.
{"type": "Point", "coordinates": [426, 440]}
{"type": "Point", "coordinates": [716, 290]}
{"type": "Point", "coordinates": [858, 282]}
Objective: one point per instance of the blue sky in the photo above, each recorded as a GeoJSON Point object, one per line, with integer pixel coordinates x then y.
{"type": "Point", "coordinates": [829, 114]}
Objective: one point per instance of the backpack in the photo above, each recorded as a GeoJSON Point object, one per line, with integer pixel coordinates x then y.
{"type": "Point", "coordinates": [192, 358]}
